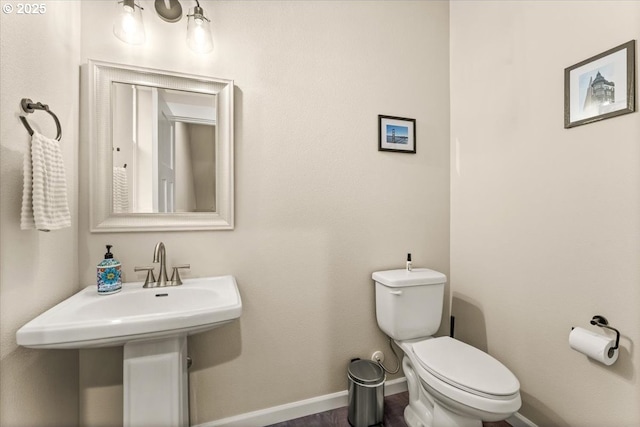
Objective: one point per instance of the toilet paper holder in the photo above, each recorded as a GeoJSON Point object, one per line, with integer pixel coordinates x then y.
{"type": "Point", "coordinates": [602, 322]}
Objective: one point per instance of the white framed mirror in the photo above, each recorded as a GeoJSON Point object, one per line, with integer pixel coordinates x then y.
{"type": "Point", "coordinates": [161, 150]}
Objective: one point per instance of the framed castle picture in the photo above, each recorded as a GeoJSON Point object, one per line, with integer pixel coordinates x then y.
{"type": "Point", "coordinates": [600, 87]}
{"type": "Point", "coordinates": [396, 134]}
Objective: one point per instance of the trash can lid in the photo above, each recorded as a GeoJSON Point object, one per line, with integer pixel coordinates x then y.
{"type": "Point", "coordinates": [365, 372]}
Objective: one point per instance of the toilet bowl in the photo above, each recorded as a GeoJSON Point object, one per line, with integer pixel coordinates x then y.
{"type": "Point", "coordinates": [462, 379]}
{"type": "Point", "coordinates": [450, 383]}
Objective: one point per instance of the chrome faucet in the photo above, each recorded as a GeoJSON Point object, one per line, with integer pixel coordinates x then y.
{"type": "Point", "coordinates": [160, 255]}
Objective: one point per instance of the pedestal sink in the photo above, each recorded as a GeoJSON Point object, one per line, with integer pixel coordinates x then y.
{"type": "Point", "coordinates": [153, 325]}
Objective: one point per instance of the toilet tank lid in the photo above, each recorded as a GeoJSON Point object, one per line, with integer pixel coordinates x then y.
{"type": "Point", "coordinates": [403, 277]}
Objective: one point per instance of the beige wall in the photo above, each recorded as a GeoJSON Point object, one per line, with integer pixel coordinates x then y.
{"type": "Point", "coordinates": [545, 221]}
{"type": "Point", "coordinates": [202, 143]}
{"type": "Point", "coordinates": [185, 199]}
{"type": "Point", "coordinates": [39, 59]}
{"type": "Point", "coordinates": [318, 208]}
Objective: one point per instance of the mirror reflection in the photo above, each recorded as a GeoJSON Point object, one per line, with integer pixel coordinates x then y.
{"type": "Point", "coordinates": [164, 145]}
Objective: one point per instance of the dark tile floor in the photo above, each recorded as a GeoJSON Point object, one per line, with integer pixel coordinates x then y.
{"type": "Point", "coordinates": [393, 416]}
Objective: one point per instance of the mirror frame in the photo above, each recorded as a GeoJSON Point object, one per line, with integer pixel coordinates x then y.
{"type": "Point", "coordinates": [100, 77]}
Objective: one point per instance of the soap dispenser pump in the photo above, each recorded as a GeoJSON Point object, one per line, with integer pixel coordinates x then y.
{"type": "Point", "coordinates": [109, 274]}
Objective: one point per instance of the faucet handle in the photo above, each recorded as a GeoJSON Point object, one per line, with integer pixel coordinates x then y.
{"type": "Point", "coordinates": [175, 276]}
{"type": "Point", "coordinates": [150, 279]}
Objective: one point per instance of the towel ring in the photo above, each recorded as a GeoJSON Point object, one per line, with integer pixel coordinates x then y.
{"type": "Point", "coordinates": [28, 106]}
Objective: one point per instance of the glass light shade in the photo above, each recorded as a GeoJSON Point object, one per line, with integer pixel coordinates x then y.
{"type": "Point", "coordinates": [199, 37]}
{"type": "Point", "coordinates": [128, 25]}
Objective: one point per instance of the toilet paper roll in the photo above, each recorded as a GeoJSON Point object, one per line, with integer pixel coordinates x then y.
{"type": "Point", "coordinates": [596, 346]}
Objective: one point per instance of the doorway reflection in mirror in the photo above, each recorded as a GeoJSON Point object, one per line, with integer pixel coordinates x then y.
{"type": "Point", "coordinates": [167, 137]}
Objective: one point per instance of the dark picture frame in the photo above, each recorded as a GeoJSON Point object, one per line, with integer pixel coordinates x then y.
{"type": "Point", "coordinates": [396, 134]}
{"type": "Point", "coordinates": [601, 87]}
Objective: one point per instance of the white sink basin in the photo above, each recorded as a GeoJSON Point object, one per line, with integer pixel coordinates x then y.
{"type": "Point", "coordinates": [90, 320]}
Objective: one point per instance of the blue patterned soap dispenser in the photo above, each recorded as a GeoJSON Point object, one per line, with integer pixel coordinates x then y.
{"type": "Point", "coordinates": [109, 275]}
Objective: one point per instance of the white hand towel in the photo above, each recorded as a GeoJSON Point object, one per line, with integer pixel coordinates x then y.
{"type": "Point", "coordinates": [44, 194]}
{"type": "Point", "coordinates": [120, 190]}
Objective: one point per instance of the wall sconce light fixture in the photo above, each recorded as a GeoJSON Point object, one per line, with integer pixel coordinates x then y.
{"type": "Point", "coordinates": [198, 32]}
{"type": "Point", "coordinates": [128, 26]}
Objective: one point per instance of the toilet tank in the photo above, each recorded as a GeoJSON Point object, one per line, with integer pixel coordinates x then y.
{"type": "Point", "coordinates": [409, 303]}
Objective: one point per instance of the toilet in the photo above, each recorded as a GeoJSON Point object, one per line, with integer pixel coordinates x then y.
{"type": "Point", "coordinates": [450, 383]}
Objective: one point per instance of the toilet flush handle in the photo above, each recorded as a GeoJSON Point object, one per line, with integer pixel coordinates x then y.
{"type": "Point", "coordinates": [397, 293]}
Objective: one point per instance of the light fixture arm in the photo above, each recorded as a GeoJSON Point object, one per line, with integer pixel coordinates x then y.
{"type": "Point", "coordinates": [198, 13]}
{"type": "Point", "coordinates": [131, 3]}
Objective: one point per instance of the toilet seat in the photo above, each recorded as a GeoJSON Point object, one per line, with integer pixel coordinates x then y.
{"type": "Point", "coordinates": [466, 368]}
{"type": "Point", "coordinates": [451, 372]}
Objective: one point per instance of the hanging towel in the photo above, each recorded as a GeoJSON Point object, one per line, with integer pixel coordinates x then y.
{"type": "Point", "coordinates": [44, 194]}
{"type": "Point", "coordinates": [120, 190]}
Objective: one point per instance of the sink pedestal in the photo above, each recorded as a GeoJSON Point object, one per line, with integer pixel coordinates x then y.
{"type": "Point", "coordinates": [155, 383]}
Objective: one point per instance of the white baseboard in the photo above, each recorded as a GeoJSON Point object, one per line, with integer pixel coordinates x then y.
{"type": "Point", "coordinates": [302, 408]}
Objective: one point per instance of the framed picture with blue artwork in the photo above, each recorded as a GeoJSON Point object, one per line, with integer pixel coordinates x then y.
{"type": "Point", "coordinates": [600, 87]}
{"type": "Point", "coordinates": [396, 134]}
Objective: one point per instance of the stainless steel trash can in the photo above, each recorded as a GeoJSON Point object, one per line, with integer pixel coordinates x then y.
{"type": "Point", "coordinates": [366, 393]}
